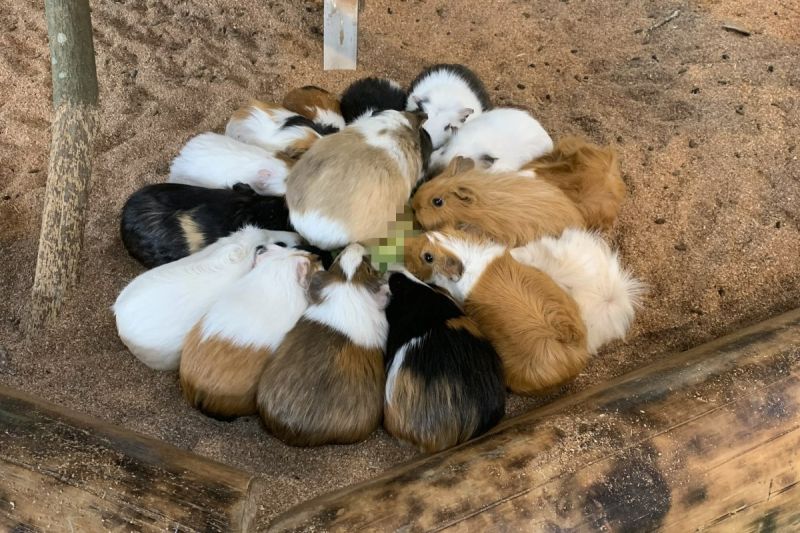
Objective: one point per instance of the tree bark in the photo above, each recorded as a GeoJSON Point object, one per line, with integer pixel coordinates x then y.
{"type": "Point", "coordinates": [74, 76]}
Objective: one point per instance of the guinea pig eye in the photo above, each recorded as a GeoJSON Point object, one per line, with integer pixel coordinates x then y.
{"type": "Point", "coordinates": [281, 244]}
{"type": "Point", "coordinates": [427, 257]}
{"type": "Point", "coordinates": [437, 202]}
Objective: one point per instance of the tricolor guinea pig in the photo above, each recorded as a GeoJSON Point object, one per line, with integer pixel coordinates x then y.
{"type": "Point", "coordinates": [444, 382]}
{"type": "Point", "coordinates": [317, 105]}
{"type": "Point", "coordinates": [450, 95]}
{"type": "Point", "coordinates": [225, 353]}
{"type": "Point", "coordinates": [588, 174]}
{"type": "Point", "coordinates": [501, 140]}
{"type": "Point", "coordinates": [156, 310]}
{"type": "Point", "coordinates": [219, 162]}
{"type": "Point", "coordinates": [352, 184]}
{"type": "Point", "coordinates": [511, 208]}
{"type": "Point", "coordinates": [590, 272]}
{"type": "Point", "coordinates": [324, 384]}
{"type": "Point", "coordinates": [164, 222]}
{"type": "Point", "coordinates": [272, 128]}
{"type": "Point", "coordinates": [371, 95]}
{"type": "Point", "coordinates": [534, 325]}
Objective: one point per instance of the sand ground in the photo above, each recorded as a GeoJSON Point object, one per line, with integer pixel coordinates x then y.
{"type": "Point", "coordinates": [705, 120]}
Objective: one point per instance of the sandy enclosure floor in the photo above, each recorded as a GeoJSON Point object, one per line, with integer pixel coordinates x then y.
{"type": "Point", "coordinates": [706, 122]}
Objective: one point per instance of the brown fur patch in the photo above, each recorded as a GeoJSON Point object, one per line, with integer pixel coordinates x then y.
{"type": "Point", "coordinates": [466, 323]}
{"type": "Point", "coordinates": [245, 111]}
{"type": "Point", "coordinates": [589, 175]}
{"type": "Point", "coordinates": [195, 240]}
{"type": "Point", "coordinates": [305, 100]}
{"type": "Point", "coordinates": [296, 149]}
{"type": "Point", "coordinates": [218, 377]}
{"type": "Point", "coordinates": [510, 208]}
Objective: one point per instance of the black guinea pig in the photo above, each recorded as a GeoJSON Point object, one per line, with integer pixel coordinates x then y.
{"type": "Point", "coordinates": [164, 222]}
{"type": "Point", "coordinates": [444, 380]}
{"type": "Point", "coordinates": [369, 95]}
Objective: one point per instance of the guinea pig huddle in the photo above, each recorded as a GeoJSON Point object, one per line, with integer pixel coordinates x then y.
{"type": "Point", "coordinates": [263, 296]}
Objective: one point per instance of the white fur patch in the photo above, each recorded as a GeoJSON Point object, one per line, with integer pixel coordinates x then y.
{"type": "Point", "coordinates": [352, 311]}
{"type": "Point", "coordinates": [351, 259]}
{"type": "Point", "coordinates": [320, 230]}
{"type": "Point", "coordinates": [371, 126]}
{"type": "Point", "coordinates": [326, 117]}
{"type": "Point", "coordinates": [265, 129]}
{"type": "Point", "coordinates": [397, 363]}
{"type": "Point", "coordinates": [474, 256]}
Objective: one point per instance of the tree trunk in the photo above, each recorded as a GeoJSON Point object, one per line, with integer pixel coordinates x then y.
{"type": "Point", "coordinates": [69, 30]}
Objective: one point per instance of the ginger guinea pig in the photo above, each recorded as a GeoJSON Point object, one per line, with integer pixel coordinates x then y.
{"type": "Point", "coordinates": [324, 384]}
{"type": "Point", "coordinates": [444, 381]}
{"type": "Point", "coordinates": [511, 208]}
{"type": "Point", "coordinates": [224, 354]}
{"type": "Point", "coordinates": [317, 105]}
{"type": "Point", "coordinates": [534, 325]}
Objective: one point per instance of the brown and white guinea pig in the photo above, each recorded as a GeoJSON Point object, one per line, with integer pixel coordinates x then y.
{"type": "Point", "coordinates": [224, 354]}
{"type": "Point", "coordinates": [324, 384]}
{"type": "Point", "coordinates": [534, 325]}
{"type": "Point", "coordinates": [444, 382]}
{"type": "Point", "coordinates": [510, 208]}
{"type": "Point", "coordinates": [352, 184]}
{"type": "Point", "coordinates": [318, 105]}
{"type": "Point", "coordinates": [588, 174]}
{"type": "Point", "coordinates": [272, 128]}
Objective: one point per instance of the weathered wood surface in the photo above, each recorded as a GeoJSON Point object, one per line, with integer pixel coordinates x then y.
{"type": "Point", "coordinates": [706, 439]}
{"type": "Point", "coordinates": [61, 471]}
{"type": "Point", "coordinates": [340, 34]}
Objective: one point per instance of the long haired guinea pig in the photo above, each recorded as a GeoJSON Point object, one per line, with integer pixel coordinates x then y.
{"type": "Point", "coordinates": [317, 105]}
{"type": "Point", "coordinates": [350, 185]}
{"type": "Point", "coordinates": [366, 96]}
{"type": "Point", "coordinates": [534, 325]}
{"type": "Point", "coordinates": [224, 354]}
{"type": "Point", "coordinates": [155, 311]}
{"type": "Point", "coordinates": [450, 95]}
{"type": "Point", "coordinates": [324, 383]}
{"type": "Point", "coordinates": [219, 162]}
{"type": "Point", "coordinates": [588, 174]}
{"type": "Point", "coordinates": [500, 140]}
{"type": "Point", "coordinates": [444, 382]}
{"type": "Point", "coordinates": [272, 128]}
{"type": "Point", "coordinates": [585, 266]}
{"type": "Point", "coordinates": [511, 208]}
{"type": "Point", "coordinates": [164, 222]}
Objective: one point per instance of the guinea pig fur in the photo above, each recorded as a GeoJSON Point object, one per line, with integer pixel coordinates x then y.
{"type": "Point", "coordinates": [219, 162]}
{"type": "Point", "coordinates": [156, 310]}
{"type": "Point", "coordinates": [444, 381]}
{"type": "Point", "coordinates": [369, 95]}
{"type": "Point", "coordinates": [589, 271]}
{"type": "Point", "coordinates": [224, 354]}
{"type": "Point", "coordinates": [272, 128]}
{"type": "Point", "coordinates": [164, 222]}
{"type": "Point", "coordinates": [589, 175]}
{"type": "Point", "coordinates": [324, 384]}
{"type": "Point", "coordinates": [350, 185]}
{"type": "Point", "coordinates": [317, 105]}
{"type": "Point", "coordinates": [450, 95]}
{"type": "Point", "coordinates": [501, 140]}
{"type": "Point", "coordinates": [510, 208]}
{"type": "Point", "coordinates": [534, 325]}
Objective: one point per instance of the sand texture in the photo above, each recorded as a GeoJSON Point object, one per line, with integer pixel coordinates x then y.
{"type": "Point", "coordinates": [705, 120]}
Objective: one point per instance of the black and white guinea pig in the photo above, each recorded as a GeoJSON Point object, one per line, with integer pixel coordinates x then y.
{"type": "Point", "coordinates": [369, 95]}
{"type": "Point", "coordinates": [164, 222]}
{"type": "Point", "coordinates": [444, 379]}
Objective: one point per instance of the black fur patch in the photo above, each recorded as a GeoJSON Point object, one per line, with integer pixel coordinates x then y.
{"type": "Point", "coordinates": [375, 94]}
{"type": "Point", "coordinates": [474, 83]}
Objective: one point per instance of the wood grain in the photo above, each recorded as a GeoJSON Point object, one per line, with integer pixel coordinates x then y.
{"type": "Point", "coordinates": [340, 31]}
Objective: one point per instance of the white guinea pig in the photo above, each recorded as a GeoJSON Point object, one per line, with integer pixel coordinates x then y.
{"type": "Point", "coordinates": [156, 310]}
{"type": "Point", "coordinates": [500, 140]}
{"type": "Point", "coordinates": [219, 162]}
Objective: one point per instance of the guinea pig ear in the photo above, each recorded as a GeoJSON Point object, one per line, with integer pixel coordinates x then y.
{"type": "Point", "coordinates": [465, 195]}
{"type": "Point", "coordinates": [418, 102]}
{"type": "Point", "coordinates": [318, 281]}
{"type": "Point", "coordinates": [453, 268]}
{"type": "Point", "coordinates": [464, 113]}
{"type": "Point", "coordinates": [382, 295]}
{"type": "Point", "coordinates": [416, 118]}
{"type": "Point", "coordinates": [303, 271]}
{"type": "Point", "coordinates": [293, 153]}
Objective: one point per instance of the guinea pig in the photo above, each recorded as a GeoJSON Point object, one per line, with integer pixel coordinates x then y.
{"type": "Point", "coordinates": [444, 382]}
{"type": "Point", "coordinates": [589, 271]}
{"type": "Point", "coordinates": [164, 222]}
{"type": "Point", "coordinates": [368, 95]}
{"type": "Point", "coordinates": [219, 162]}
{"type": "Point", "coordinates": [534, 325]}
{"type": "Point", "coordinates": [324, 384]}
{"type": "Point", "coordinates": [588, 174]}
{"type": "Point", "coordinates": [224, 354]}
{"type": "Point", "coordinates": [156, 310]}
{"type": "Point", "coordinates": [450, 95]}
{"type": "Point", "coordinates": [510, 208]}
{"type": "Point", "coordinates": [500, 140]}
{"type": "Point", "coordinates": [317, 105]}
{"type": "Point", "coordinates": [350, 185]}
{"type": "Point", "coordinates": [272, 128]}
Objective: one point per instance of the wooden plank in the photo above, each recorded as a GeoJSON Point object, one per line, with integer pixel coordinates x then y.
{"type": "Point", "coordinates": [689, 442]}
{"type": "Point", "coordinates": [67, 472]}
{"type": "Point", "coordinates": [340, 30]}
